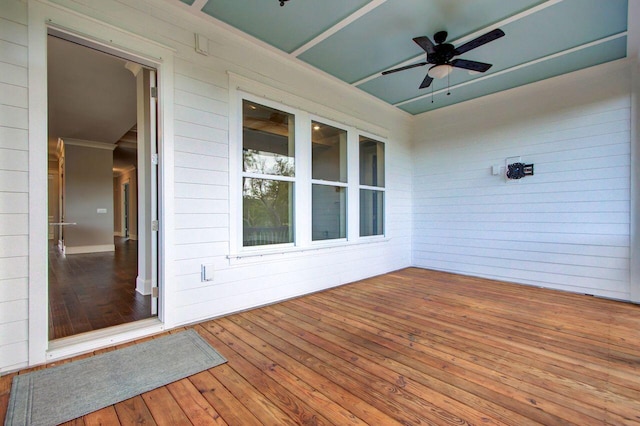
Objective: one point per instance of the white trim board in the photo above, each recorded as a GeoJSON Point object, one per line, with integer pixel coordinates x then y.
{"type": "Point", "coordinates": [89, 144]}
{"type": "Point", "coordinates": [102, 248]}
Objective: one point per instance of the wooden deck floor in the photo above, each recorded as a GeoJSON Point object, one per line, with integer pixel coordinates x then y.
{"type": "Point", "coordinates": [411, 347]}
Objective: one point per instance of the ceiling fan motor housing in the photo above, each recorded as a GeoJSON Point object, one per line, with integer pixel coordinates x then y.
{"type": "Point", "coordinates": [442, 54]}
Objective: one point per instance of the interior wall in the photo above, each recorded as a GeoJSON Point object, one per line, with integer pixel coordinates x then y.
{"type": "Point", "coordinates": [128, 176]}
{"type": "Point", "coordinates": [14, 166]}
{"type": "Point", "coordinates": [566, 227]}
{"type": "Point", "coordinates": [88, 199]}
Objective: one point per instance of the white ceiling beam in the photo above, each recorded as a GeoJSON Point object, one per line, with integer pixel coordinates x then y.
{"type": "Point", "coordinates": [337, 27]}
{"type": "Point", "coordinates": [199, 4]}
{"type": "Point", "coordinates": [517, 67]}
{"type": "Point", "coordinates": [469, 37]}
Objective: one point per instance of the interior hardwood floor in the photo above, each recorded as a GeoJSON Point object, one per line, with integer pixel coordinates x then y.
{"type": "Point", "coordinates": [92, 291]}
{"type": "Point", "coordinates": [412, 347]}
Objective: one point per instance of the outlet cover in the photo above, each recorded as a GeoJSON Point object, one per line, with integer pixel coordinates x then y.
{"type": "Point", "coordinates": [206, 272]}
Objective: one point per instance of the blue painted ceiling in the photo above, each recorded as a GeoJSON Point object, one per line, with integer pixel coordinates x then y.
{"type": "Point", "coordinates": [355, 40]}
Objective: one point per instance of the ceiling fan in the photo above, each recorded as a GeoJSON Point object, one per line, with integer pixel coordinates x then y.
{"type": "Point", "coordinates": [441, 55]}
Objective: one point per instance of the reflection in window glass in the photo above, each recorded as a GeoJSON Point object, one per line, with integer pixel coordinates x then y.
{"type": "Point", "coordinates": [267, 140]}
{"type": "Point", "coordinates": [329, 212]}
{"type": "Point", "coordinates": [371, 212]}
{"type": "Point", "coordinates": [328, 153]}
{"type": "Point", "coordinates": [371, 162]}
{"type": "Point", "coordinates": [267, 212]}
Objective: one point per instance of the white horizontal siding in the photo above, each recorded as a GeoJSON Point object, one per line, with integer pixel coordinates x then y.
{"type": "Point", "coordinates": [202, 210]}
{"type": "Point", "coordinates": [14, 224]}
{"type": "Point", "coordinates": [14, 138]}
{"type": "Point", "coordinates": [14, 332]}
{"type": "Point", "coordinates": [14, 166]}
{"type": "Point", "coordinates": [287, 278]}
{"type": "Point", "coordinates": [202, 199]}
{"type": "Point", "coordinates": [566, 227]}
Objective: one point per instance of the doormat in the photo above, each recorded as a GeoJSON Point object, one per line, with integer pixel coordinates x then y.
{"type": "Point", "coordinates": [59, 394]}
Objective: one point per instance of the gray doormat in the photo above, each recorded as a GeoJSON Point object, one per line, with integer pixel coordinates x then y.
{"type": "Point", "coordinates": [59, 394]}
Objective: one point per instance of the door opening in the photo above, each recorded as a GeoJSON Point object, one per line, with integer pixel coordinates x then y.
{"type": "Point", "coordinates": [102, 137]}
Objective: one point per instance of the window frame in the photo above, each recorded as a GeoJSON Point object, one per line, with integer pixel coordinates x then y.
{"type": "Point", "coordinates": [239, 218]}
{"type": "Point", "coordinates": [302, 199]}
{"type": "Point", "coordinates": [381, 189]}
{"type": "Point", "coordinates": [351, 168]}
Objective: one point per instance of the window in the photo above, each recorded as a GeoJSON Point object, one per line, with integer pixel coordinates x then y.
{"type": "Point", "coordinates": [371, 187]}
{"type": "Point", "coordinates": [329, 182]}
{"type": "Point", "coordinates": [300, 180]}
{"type": "Point", "coordinates": [268, 175]}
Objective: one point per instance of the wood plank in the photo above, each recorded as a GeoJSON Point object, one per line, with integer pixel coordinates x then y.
{"type": "Point", "coordinates": [262, 408]}
{"type": "Point", "coordinates": [409, 347]}
{"type": "Point", "coordinates": [194, 405]}
{"type": "Point", "coordinates": [505, 354]}
{"type": "Point", "coordinates": [399, 373]}
{"type": "Point", "coordinates": [510, 386]}
{"type": "Point", "coordinates": [75, 422]}
{"type": "Point", "coordinates": [388, 399]}
{"type": "Point", "coordinates": [285, 399]}
{"type": "Point", "coordinates": [105, 417]}
{"type": "Point", "coordinates": [231, 409]}
{"type": "Point", "coordinates": [134, 411]}
{"type": "Point", "coordinates": [164, 408]}
{"type": "Point", "coordinates": [322, 387]}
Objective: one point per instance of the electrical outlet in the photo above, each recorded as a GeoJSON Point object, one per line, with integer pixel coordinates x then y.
{"type": "Point", "coordinates": [206, 272]}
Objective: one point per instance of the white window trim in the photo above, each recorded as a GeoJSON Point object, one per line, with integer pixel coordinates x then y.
{"type": "Point", "coordinates": [241, 88]}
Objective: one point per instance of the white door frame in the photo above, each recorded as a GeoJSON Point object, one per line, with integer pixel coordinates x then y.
{"type": "Point", "coordinates": [42, 18]}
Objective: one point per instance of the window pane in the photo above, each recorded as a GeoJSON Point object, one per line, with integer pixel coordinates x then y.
{"type": "Point", "coordinates": [267, 212]}
{"type": "Point", "coordinates": [371, 162]}
{"type": "Point", "coordinates": [371, 212]}
{"type": "Point", "coordinates": [329, 153]}
{"type": "Point", "coordinates": [267, 140]}
{"type": "Point", "coordinates": [329, 212]}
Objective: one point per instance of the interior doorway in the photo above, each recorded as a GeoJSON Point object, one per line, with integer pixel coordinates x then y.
{"type": "Point", "coordinates": [102, 241]}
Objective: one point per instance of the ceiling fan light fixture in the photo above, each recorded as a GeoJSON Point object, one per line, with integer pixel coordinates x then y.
{"type": "Point", "coordinates": [440, 71]}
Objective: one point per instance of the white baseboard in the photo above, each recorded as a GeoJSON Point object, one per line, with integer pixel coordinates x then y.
{"type": "Point", "coordinates": [89, 249]}
{"type": "Point", "coordinates": [117, 234]}
{"type": "Point", "coordinates": [143, 286]}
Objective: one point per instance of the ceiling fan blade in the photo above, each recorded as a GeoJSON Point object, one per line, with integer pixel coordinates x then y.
{"type": "Point", "coordinates": [426, 82]}
{"type": "Point", "coordinates": [477, 42]}
{"type": "Point", "coordinates": [419, 64]}
{"type": "Point", "coordinates": [426, 44]}
{"type": "Point", "coordinates": [470, 65]}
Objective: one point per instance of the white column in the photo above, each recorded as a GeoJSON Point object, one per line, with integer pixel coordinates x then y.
{"type": "Point", "coordinates": [143, 281]}
{"type": "Point", "coordinates": [633, 52]}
